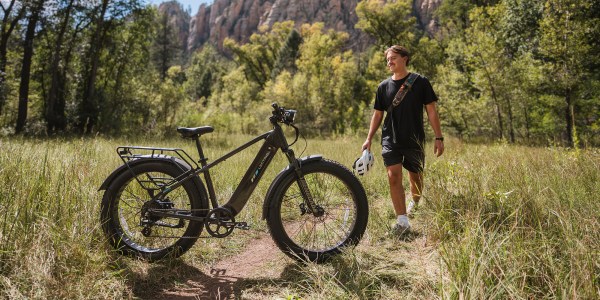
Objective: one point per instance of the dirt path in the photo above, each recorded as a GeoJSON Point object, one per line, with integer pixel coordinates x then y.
{"type": "Point", "coordinates": [262, 262]}
{"type": "Point", "coordinates": [258, 260]}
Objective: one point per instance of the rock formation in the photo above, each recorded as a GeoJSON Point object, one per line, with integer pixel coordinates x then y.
{"type": "Point", "coordinates": [239, 19]}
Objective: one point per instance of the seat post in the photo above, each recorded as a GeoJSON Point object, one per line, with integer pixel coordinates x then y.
{"type": "Point", "coordinates": [209, 183]}
{"type": "Point", "coordinates": [200, 152]}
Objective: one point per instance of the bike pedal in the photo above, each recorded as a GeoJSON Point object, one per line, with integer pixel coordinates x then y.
{"type": "Point", "coordinates": [242, 225]}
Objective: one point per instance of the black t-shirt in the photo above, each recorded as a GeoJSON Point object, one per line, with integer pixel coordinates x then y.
{"type": "Point", "coordinates": [408, 116]}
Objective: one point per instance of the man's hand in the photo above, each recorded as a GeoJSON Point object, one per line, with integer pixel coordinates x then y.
{"type": "Point", "coordinates": [366, 145]}
{"type": "Point", "coordinates": [438, 148]}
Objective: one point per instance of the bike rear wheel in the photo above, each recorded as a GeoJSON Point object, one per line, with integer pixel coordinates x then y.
{"type": "Point", "coordinates": [343, 219]}
{"type": "Point", "coordinates": [129, 226]}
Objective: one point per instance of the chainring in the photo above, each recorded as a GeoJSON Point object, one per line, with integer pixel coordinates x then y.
{"type": "Point", "coordinates": [220, 222]}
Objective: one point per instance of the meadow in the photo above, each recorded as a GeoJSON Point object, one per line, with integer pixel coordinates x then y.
{"type": "Point", "coordinates": [498, 221]}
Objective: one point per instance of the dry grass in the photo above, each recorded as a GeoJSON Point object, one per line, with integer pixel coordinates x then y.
{"type": "Point", "coordinates": [498, 221]}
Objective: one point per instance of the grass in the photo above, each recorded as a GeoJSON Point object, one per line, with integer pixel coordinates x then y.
{"type": "Point", "coordinates": [498, 221]}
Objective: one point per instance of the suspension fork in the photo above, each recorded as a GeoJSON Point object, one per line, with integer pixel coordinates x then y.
{"type": "Point", "coordinates": [309, 201]}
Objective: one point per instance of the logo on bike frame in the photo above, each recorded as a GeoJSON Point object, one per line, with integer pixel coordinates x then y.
{"type": "Point", "coordinates": [262, 163]}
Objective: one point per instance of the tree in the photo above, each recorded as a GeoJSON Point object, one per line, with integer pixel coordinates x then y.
{"type": "Point", "coordinates": [489, 62]}
{"type": "Point", "coordinates": [520, 26]}
{"type": "Point", "coordinates": [566, 49]}
{"type": "Point", "coordinates": [61, 54]}
{"type": "Point", "coordinates": [257, 58]}
{"type": "Point", "coordinates": [106, 15]}
{"type": "Point", "coordinates": [286, 59]}
{"type": "Point", "coordinates": [206, 68]}
{"type": "Point", "coordinates": [12, 13]}
{"type": "Point", "coordinates": [327, 86]}
{"type": "Point", "coordinates": [35, 9]}
{"type": "Point", "coordinates": [129, 80]}
{"type": "Point", "coordinates": [165, 48]}
{"type": "Point", "coordinates": [390, 23]}
{"type": "Point", "coordinates": [88, 109]}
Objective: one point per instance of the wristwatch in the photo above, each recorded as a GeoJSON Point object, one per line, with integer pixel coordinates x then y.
{"type": "Point", "coordinates": [441, 138]}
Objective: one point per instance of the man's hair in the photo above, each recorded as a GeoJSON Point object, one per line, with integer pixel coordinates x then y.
{"type": "Point", "coordinates": [399, 50]}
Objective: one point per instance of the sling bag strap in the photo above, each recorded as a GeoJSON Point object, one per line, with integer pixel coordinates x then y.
{"type": "Point", "coordinates": [404, 89]}
{"type": "Point", "coordinates": [406, 86]}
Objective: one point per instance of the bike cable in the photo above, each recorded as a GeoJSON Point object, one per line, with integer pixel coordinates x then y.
{"type": "Point", "coordinates": [298, 133]}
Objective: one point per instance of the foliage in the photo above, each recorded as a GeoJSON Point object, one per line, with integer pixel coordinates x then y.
{"type": "Point", "coordinates": [516, 56]}
{"type": "Point", "coordinates": [389, 22]}
{"type": "Point", "coordinates": [257, 58]}
{"type": "Point", "coordinates": [286, 59]}
{"type": "Point", "coordinates": [514, 70]}
{"type": "Point", "coordinates": [206, 68]}
{"type": "Point", "coordinates": [326, 86]}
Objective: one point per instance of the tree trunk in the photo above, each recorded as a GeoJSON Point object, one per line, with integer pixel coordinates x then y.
{"type": "Point", "coordinates": [570, 118]}
{"type": "Point", "coordinates": [26, 66]}
{"type": "Point", "coordinates": [494, 97]}
{"type": "Point", "coordinates": [511, 127]}
{"type": "Point", "coordinates": [54, 112]}
{"type": "Point", "coordinates": [7, 28]}
{"type": "Point", "coordinates": [89, 110]}
{"type": "Point", "coordinates": [527, 123]}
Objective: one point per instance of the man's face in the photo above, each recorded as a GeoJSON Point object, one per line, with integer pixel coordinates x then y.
{"type": "Point", "coordinates": [395, 61]}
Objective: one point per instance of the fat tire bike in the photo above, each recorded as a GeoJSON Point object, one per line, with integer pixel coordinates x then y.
{"type": "Point", "coordinates": [156, 205]}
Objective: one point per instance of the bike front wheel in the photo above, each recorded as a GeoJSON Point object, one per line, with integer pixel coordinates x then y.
{"type": "Point", "coordinates": [127, 205]}
{"type": "Point", "coordinates": [341, 218]}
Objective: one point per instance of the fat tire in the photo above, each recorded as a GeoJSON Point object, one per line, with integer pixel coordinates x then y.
{"type": "Point", "coordinates": [114, 231]}
{"type": "Point", "coordinates": [349, 186]}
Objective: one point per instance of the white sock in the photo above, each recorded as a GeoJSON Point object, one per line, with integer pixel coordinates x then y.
{"type": "Point", "coordinates": [402, 219]}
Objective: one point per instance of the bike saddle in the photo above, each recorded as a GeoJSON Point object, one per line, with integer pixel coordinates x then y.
{"type": "Point", "coordinates": [194, 131]}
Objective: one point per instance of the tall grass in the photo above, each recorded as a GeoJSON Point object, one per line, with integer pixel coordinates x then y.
{"type": "Point", "coordinates": [497, 221]}
{"type": "Point", "coordinates": [518, 222]}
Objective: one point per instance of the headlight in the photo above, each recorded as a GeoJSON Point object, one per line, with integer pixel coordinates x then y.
{"type": "Point", "coordinates": [289, 116]}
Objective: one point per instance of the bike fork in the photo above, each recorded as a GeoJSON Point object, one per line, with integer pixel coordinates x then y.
{"type": "Point", "coordinates": [309, 204]}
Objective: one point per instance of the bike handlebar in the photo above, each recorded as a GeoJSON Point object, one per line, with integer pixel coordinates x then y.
{"type": "Point", "coordinates": [285, 116]}
{"type": "Point", "coordinates": [282, 115]}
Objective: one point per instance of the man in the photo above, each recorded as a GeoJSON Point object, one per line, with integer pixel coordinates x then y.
{"type": "Point", "coordinates": [403, 133]}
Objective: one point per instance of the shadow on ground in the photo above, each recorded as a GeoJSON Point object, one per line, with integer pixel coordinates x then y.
{"type": "Point", "coordinates": [178, 280]}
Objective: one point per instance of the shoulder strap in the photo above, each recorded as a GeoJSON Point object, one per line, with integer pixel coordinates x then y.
{"type": "Point", "coordinates": [406, 86]}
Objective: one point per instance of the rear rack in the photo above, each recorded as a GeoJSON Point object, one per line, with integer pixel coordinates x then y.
{"type": "Point", "coordinates": [129, 153]}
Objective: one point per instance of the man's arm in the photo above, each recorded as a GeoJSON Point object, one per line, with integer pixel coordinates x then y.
{"type": "Point", "coordinates": [434, 120]}
{"type": "Point", "coordinates": [375, 122]}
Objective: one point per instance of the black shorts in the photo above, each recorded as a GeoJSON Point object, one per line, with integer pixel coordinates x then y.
{"type": "Point", "coordinates": [411, 159]}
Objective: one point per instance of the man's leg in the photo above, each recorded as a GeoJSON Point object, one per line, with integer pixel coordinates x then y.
{"type": "Point", "coordinates": [396, 189]}
{"type": "Point", "coordinates": [416, 185]}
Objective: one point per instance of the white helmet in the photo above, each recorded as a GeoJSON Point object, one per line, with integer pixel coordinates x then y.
{"type": "Point", "coordinates": [364, 164]}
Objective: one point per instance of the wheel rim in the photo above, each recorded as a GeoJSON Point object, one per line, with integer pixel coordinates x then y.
{"type": "Point", "coordinates": [333, 228]}
{"type": "Point", "coordinates": [128, 211]}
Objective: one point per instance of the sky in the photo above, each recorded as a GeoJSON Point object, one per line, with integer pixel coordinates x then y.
{"type": "Point", "coordinates": [194, 4]}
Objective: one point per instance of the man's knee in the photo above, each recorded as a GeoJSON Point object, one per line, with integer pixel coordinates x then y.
{"type": "Point", "coordinates": [395, 174]}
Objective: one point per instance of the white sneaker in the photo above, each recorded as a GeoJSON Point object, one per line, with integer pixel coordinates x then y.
{"type": "Point", "coordinates": [411, 208]}
{"type": "Point", "coordinates": [402, 225]}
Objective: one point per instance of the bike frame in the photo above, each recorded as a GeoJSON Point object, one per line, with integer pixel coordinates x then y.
{"type": "Point", "coordinates": [273, 140]}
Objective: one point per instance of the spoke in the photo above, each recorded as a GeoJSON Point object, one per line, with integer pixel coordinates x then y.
{"type": "Point", "coordinates": [314, 236]}
{"type": "Point", "coordinates": [299, 228]}
{"type": "Point", "coordinates": [334, 231]}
